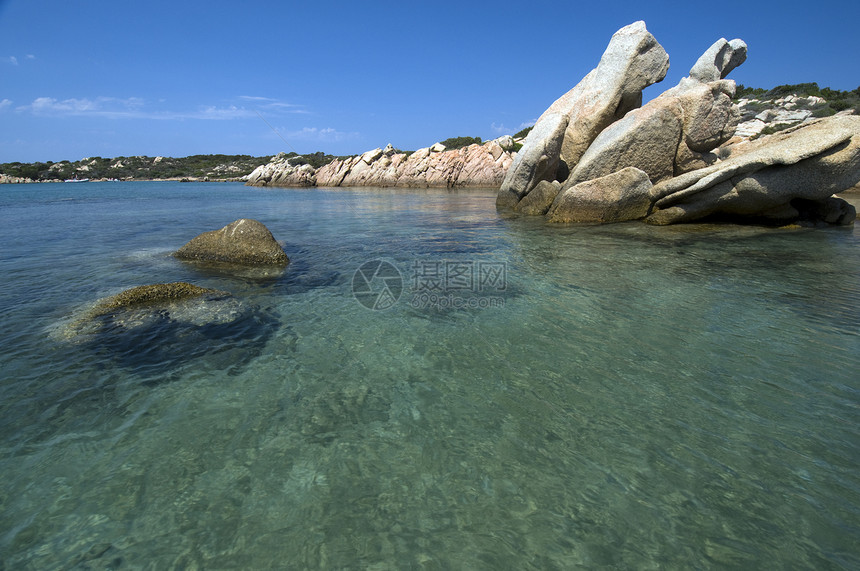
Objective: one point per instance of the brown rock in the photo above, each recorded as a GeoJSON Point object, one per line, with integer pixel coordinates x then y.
{"type": "Point", "coordinates": [540, 199]}
{"type": "Point", "coordinates": [150, 294]}
{"type": "Point", "coordinates": [244, 242]}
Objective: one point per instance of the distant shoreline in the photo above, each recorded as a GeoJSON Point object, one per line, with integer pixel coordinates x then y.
{"type": "Point", "coordinates": [176, 179]}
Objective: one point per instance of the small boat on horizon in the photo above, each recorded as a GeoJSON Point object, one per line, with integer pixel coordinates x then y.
{"type": "Point", "coordinates": [76, 179]}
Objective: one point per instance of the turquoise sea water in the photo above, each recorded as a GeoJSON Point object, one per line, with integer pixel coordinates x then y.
{"type": "Point", "coordinates": [532, 397]}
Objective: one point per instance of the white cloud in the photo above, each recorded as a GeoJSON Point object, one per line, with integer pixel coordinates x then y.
{"type": "Point", "coordinates": [110, 107]}
{"type": "Point", "coordinates": [271, 105]}
{"type": "Point", "coordinates": [30, 56]}
{"type": "Point", "coordinates": [137, 108]}
{"type": "Point", "coordinates": [325, 135]}
{"type": "Point", "coordinates": [12, 59]}
{"type": "Point", "coordinates": [4, 103]}
{"type": "Point", "coordinates": [502, 130]}
{"type": "Point", "coordinates": [219, 113]}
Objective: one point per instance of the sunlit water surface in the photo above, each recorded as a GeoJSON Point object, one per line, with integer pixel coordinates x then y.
{"type": "Point", "coordinates": [621, 396]}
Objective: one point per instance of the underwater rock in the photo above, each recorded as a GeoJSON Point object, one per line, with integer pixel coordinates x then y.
{"type": "Point", "coordinates": [154, 330]}
{"type": "Point", "coordinates": [139, 304]}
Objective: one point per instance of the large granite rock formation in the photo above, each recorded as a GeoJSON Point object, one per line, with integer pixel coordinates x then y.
{"type": "Point", "coordinates": [664, 162]}
{"type": "Point", "coordinates": [475, 166]}
{"type": "Point", "coordinates": [632, 61]}
{"type": "Point", "coordinates": [244, 242]}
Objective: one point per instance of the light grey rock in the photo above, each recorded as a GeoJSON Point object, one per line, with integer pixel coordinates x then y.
{"type": "Point", "coordinates": [721, 58]}
{"type": "Point", "coordinates": [710, 118]}
{"type": "Point", "coordinates": [805, 163]}
{"type": "Point", "coordinates": [8, 179]}
{"type": "Point", "coordinates": [646, 138]}
{"type": "Point", "coordinates": [668, 136]}
{"type": "Point", "coordinates": [536, 161]}
{"type": "Point", "coordinates": [620, 196]}
{"type": "Point", "coordinates": [506, 142]}
{"type": "Point", "coordinates": [632, 61]}
{"type": "Point", "coordinates": [245, 242]}
{"type": "Point", "coordinates": [280, 171]}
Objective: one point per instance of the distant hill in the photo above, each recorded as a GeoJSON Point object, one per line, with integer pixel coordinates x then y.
{"type": "Point", "coordinates": [195, 167]}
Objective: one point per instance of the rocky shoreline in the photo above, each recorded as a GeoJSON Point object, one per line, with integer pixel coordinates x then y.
{"type": "Point", "coordinates": [485, 166]}
{"type": "Point", "coordinates": [474, 166]}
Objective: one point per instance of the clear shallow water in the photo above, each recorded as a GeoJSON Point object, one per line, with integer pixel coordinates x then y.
{"type": "Point", "coordinates": [627, 396]}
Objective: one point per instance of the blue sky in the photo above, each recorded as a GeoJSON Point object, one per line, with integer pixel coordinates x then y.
{"type": "Point", "coordinates": [95, 78]}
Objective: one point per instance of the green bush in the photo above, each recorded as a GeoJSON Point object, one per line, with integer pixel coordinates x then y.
{"type": "Point", "coordinates": [460, 142]}
{"type": "Point", "coordinates": [840, 105]}
{"type": "Point", "coordinates": [749, 92]}
{"type": "Point", "coordinates": [796, 89]}
{"type": "Point", "coordinates": [522, 134]}
{"type": "Point", "coordinates": [771, 129]}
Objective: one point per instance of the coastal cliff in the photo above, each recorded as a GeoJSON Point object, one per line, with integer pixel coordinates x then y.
{"type": "Point", "coordinates": [474, 166]}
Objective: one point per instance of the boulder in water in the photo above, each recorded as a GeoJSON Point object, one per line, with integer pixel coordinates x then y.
{"type": "Point", "coordinates": [245, 242]}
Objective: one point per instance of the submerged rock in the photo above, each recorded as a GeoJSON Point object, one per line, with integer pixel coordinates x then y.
{"type": "Point", "coordinates": [245, 242]}
{"type": "Point", "coordinates": [137, 305]}
{"type": "Point", "coordinates": [153, 330]}
{"type": "Point", "coordinates": [156, 293]}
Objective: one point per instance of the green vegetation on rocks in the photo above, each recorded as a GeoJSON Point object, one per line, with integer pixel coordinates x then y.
{"type": "Point", "coordinates": [524, 133]}
{"type": "Point", "coordinates": [834, 99]}
{"type": "Point", "coordinates": [460, 142]}
{"type": "Point", "coordinates": [316, 160]}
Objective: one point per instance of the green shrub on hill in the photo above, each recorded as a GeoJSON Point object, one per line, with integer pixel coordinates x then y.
{"type": "Point", "coordinates": [803, 89]}
{"type": "Point", "coordinates": [460, 142]}
{"type": "Point", "coordinates": [835, 100]}
{"type": "Point", "coordinates": [522, 134]}
{"type": "Point", "coordinates": [316, 160]}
